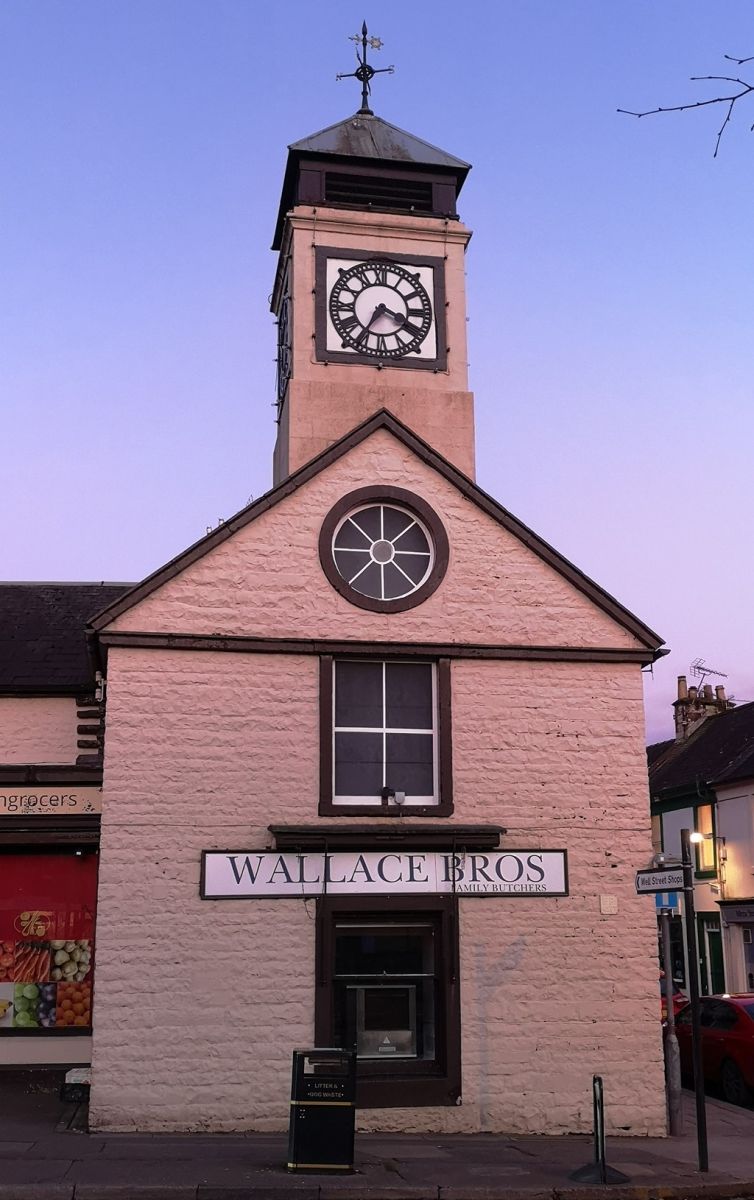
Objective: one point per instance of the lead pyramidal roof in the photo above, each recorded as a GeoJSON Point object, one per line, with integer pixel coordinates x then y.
{"type": "Point", "coordinates": [366, 136]}
{"type": "Point", "coordinates": [370, 140]}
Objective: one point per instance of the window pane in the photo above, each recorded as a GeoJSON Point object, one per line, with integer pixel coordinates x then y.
{"type": "Point", "coordinates": [409, 763]}
{"type": "Point", "coordinates": [396, 522]}
{"type": "Point", "coordinates": [384, 951]}
{"type": "Point", "coordinates": [396, 585]}
{"type": "Point", "coordinates": [358, 695]}
{"type": "Point", "coordinates": [414, 565]}
{"type": "Point", "coordinates": [368, 519]}
{"type": "Point", "coordinates": [384, 989]}
{"type": "Point", "coordinates": [351, 537]}
{"type": "Point", "coordinates": [369, 583]}
{"type": "Point", "coordinates": [412, 539]}
{"type": "Point", "coordinates": [409, 695]}
{"type": "Point", "coordinates": [349, 562]}
{"type": "Point", "coordinates": [358, 764]}
{"type": "Point", "coordinates": [705, 850]}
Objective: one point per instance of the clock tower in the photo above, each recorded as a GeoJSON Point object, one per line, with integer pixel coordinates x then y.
{"type": "Point", "coordinates": [369, 292]}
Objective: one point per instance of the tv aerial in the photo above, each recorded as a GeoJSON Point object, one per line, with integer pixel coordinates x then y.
{"type": "Point", "coordinates": [701, 671]}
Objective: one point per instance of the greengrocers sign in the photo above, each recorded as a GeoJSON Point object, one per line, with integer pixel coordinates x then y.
{"type": "Point", "coordinates": [268, 874]}
{"type": "Point", "coordinates": [49, 801]}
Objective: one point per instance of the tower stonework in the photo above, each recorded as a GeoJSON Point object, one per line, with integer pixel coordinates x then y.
{"type": "Point", "coordinates": [357, 197]}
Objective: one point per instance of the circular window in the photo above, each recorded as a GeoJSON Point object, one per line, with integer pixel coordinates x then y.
{"type": "Point", "coordinates": [384, 549]}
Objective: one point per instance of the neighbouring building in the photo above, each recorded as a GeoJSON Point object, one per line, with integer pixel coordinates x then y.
{"type": "Point", "coordinates": [374, 769]}
{"type": "Point", "coordinates": [703, 780]}
{"type": "Point", "coordinates": [51, 735]}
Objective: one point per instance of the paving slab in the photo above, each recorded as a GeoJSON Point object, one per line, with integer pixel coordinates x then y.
{"type": "Point", "coordinates": [31, 1170]}
{"type": "Point", "coordinates": [96, 1191]}
{"type": "Point", "coordinates": [306, 1190]}
{"type": "Point", "coordinates": [14, 1149]}
{"type": "Point", "coordinates": [36, 1191]}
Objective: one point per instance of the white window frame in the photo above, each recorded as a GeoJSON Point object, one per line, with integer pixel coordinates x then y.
{"type": "Point", "coordinates": [376, 801]}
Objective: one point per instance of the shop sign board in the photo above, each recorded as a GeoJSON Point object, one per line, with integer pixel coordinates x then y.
{"type": "Point", "coordinates": [665, 880]}
{"type": "Point", "coordinates": [23, 801]}
{"type": "Point", "coordinates": [269, 874]}
{"type": "Point", "coordinates": [738, 914]}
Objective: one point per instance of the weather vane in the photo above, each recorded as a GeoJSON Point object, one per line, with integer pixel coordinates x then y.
{"type": "Point", "coordinates": [365, 71]}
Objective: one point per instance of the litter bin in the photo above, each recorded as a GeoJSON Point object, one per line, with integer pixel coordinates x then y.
{"type": "Point", "coordinates": [323, 1110]}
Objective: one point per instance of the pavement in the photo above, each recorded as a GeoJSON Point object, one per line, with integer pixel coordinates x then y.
{"type": "Point", "coordinates": [46, 1154]}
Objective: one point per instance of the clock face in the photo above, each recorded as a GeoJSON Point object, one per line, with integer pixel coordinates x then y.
{"type": "Point", "coordinates": [380, 310]}
{"type": "Point", "coordinates": [285, 334]}
{"type": "Point", "coordinates": [284, 346]}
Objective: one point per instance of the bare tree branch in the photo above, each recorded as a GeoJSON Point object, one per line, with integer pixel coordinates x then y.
{"type": "Point", "coordinates": [746, 90]}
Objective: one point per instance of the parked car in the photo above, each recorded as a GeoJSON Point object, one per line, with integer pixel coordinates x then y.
{"type": "Point", "coordinates": [727, 1025]}
{"type": "Point", "coordinates": [680, 999]}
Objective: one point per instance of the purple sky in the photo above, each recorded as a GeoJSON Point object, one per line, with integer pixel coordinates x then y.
{"type": "Point", "coordinates": [610, 292]}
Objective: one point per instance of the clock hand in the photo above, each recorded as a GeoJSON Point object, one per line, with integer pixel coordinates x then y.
{"type": "Point", "coordinates": [379, 311]}
{"type": "Point", "coordinates": [402, 317]}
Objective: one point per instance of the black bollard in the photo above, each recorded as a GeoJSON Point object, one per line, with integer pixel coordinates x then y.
{"type": "Point", "coordinates": [598, 1171]}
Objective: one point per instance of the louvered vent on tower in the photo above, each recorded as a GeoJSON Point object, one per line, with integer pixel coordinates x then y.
{"type": "Point", "coordinates": [373, 191]}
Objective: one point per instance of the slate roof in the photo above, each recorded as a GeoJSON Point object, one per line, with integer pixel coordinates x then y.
{"type": "Point", "coordinates": [366, 136]}
{"type": "Point", "coordinates": [720, 751]}
{"type": "Point", "coordinates": [43, 647]}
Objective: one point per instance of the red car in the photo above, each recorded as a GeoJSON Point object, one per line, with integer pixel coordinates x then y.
{"type": "Point", "coordinates": [680, 1000]}
{"type": "Point", "coordinates": [727, 1025]}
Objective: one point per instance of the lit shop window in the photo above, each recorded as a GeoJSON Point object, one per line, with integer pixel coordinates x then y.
{"type": "Point", "coordinates": [705, 850]}
{"type": "Point", "coordinates": [47, 910]}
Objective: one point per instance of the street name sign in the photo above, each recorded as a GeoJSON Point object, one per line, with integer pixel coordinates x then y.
{"type": "Point", "coordinates": [667, 880]}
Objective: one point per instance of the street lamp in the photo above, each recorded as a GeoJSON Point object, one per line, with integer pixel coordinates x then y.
{"type": "Point", "coordinates": [693, 960]}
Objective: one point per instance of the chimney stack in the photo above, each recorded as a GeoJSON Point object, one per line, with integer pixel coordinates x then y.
{"type": "Point", "coordinates": [694, 705]}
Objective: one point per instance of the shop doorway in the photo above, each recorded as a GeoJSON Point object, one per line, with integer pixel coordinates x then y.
{"type": "Point", "coordinates": [748, 941]}
{"type": "Point", "coordinates": [712, 969]}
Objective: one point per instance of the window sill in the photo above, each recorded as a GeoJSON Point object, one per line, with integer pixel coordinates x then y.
{"type": "Point", "coordinates": [402, 811]}
{"type": "Point", "coordinates": [407, 1092]}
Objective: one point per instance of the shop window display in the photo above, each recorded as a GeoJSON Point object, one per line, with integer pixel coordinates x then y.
{"type": "Point", "coordinates": [47, 919]}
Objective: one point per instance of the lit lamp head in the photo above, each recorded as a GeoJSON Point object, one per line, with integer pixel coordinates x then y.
{"type": "Point", "coordinates": [699, 837]}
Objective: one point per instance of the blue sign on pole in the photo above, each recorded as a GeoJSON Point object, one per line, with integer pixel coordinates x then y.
{"type": "Point", "coordinates": [666, 899]}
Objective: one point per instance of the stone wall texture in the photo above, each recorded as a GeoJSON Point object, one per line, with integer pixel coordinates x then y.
{"type": "Point", "coordinates": [266, 579]}
{"type": "Point", "coordinates": [37, 729]}
{"type": "Point", "coordinates": [199, 1003]}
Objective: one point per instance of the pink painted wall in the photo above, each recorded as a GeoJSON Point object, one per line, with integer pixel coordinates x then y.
{"type": "Point", "coordinates": [324, 402]}
{"type": "Point", "coordinates": [37, 729]}
{"type": "Point", "coordinates": [384, 233]}
{"type": "Point", "coordinates": [201, 1002]}
{"type": "Point", "coordinates": [267, 581]}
